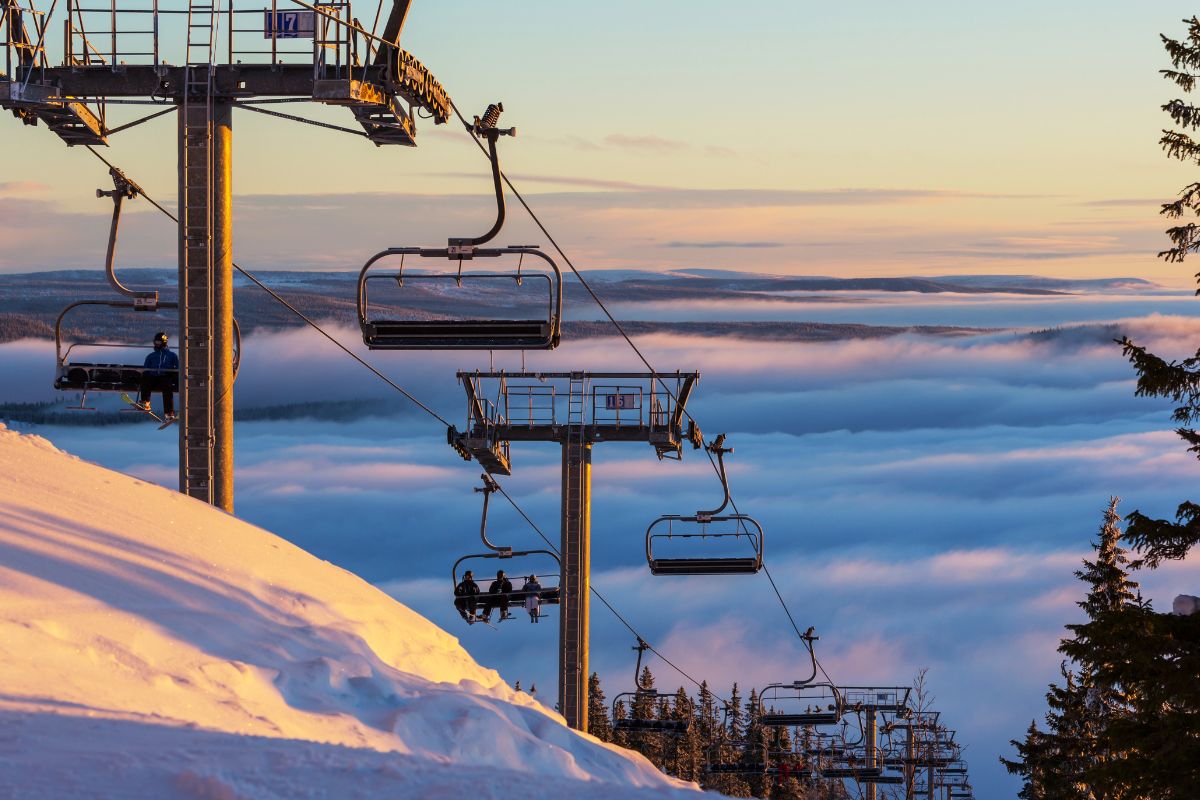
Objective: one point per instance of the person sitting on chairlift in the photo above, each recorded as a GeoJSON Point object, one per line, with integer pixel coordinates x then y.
{"type": "Point", "coordinates": [533, 598]}
{"type": "Point", "coordinates": [464, 597]}
{"type": "Point", "coordinates": [162, 368]}
{"type": "Point", "coordinates": [498, 597]}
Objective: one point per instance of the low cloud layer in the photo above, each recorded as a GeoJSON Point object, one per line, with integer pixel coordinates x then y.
{"type": "Point", "coordinates": [925, 499]}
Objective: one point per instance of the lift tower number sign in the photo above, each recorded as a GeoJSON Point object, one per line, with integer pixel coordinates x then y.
{"type": "Point", "coordinates": [621, 402]}
{"type": "Point", "coordinates": [288, 24]}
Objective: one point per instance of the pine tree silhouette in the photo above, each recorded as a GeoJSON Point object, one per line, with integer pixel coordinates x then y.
{"type": "Point", "coordinates": [599, 725]}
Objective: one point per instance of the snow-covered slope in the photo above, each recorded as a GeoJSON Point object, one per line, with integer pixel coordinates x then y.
{"type": "Point", "coordinates": [151, 647]}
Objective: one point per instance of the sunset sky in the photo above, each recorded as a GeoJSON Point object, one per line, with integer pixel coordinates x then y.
{"type": "Point", "coordinates": [927, 497]}
{"type": "Point", "coordinates": [872, 138]}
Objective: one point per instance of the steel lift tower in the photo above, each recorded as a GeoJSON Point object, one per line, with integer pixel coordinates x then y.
{"type": "Point", "coordinates": [576, 410]}
{"type": "Point", "coordinates": [112, 51]}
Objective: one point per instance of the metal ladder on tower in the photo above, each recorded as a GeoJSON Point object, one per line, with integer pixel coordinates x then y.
{"type": "Point", "coordinates": [576, 545]}
{"type": "Point", "coordinates": [196, 275]}
{"type": "Point", "coordinates": [575, 393]}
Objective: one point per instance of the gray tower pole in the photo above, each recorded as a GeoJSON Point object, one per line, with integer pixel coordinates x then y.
{"type": "Point", "coordinates": [576, 581]}
{"type": "Point", "coordinates": [910, 769]}
{"type": "Point", "coordinates": [870, 734]}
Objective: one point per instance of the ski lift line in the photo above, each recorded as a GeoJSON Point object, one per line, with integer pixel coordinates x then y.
{"type": "Point", "coordinates": [423, 407]}
{"type": "Point", "coordinates": [583, 282]}
{"type": "Point", "coordinates": [301, 315]}
{"type": "Point", "coordinates": [811, 650]}
{"type": "Point", "coordinates": [295, 118]}
{"type": "Point", "coordinates": [593, 588]}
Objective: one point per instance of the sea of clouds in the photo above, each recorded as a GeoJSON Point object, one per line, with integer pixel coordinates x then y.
{"type": "Point", "coordinates": [926, 498]}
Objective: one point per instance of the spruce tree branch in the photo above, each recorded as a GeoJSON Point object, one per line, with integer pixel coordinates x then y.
{"type": "Point", "coordinates": [1159, 539]}
{"type": "Point", "coordinates": [1183, 113]}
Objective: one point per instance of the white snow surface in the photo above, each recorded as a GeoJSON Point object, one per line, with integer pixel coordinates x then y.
{"type": "Point", "coordinates": [154, 647]}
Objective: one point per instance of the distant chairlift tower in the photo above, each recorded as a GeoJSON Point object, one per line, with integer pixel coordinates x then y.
{"type": "Point", "coordinates": [111, 49]}
{"type": "Point", "coordinates": [576, 410]}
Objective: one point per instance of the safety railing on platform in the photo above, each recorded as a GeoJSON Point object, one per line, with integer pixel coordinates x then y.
{"type": "Point", "coordinates": [116, 32]}
{"type": "Point", "coordinates": [530, 405]}
{"type": "Point", "coordinates": [24, 29]}
{"type": "Point", "coordinates": [624, 405]}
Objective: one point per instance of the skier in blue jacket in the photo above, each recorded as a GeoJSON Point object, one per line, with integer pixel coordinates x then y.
{"type": "Point", "coordinates": [161, 375]}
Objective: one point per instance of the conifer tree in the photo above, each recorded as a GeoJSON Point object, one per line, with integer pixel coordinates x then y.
{"type": "Point", "coordinates": [1159, 539]}
{"type": "Point", "coordinates": [730, 745]}
{"type": "Point", "coordinates": [1140, 671]}
{"type": "Point", "coordinates": [737, 721]}
{"type": "Point", "coordinates": [1053, 761]}
{"type": "Point", "coordinates": [1185, 62]}
{"type": "Point", "coordinates": [599, 725]}
{"type": "Point", "coordinates": [710, 734]}
{"type": "Point", "coordinates": [620, 712]}
{"type": "Point", "coordinates": [754, 753]}
{"type": "Point", "coordinates": [645, 706]}
{"type": "Point", "coordinates": [1074, 758]}
{"type": "Point", "coordinates": [682, 751]}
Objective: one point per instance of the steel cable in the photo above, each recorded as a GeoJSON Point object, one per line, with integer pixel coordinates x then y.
{"type": "Point", "coordinates": [621, 330]}
{"type": "Point", "coordinates": [415, 401]}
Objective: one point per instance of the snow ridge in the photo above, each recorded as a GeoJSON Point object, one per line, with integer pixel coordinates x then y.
{"type": "Point", "coordinates": [152, 646]}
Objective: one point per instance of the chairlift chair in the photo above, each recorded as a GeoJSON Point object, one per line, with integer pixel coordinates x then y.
{"type": "Point", "coordinates": [805, 702]}
{"type": "Point", "coordinates": [390, 332]}
{"type": "Point", "coordinates": [671, 727]}
{"type": "Point", "coordinates": [706, 525]}
{"type": "Point", "coordinates": [802, 704]}
{"type": "Point", "coordinates": [74, 374]}
{"type": "Point", "coordinates": [547, 596]}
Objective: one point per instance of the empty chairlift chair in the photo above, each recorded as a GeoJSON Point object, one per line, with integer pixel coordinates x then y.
{"type": "Point", "coordinates": [675, 544]}
{"type": "Point", "coordinates": [548, 595]}
{"type": "Point", "coordinates": [397, 326]}
{"type": "Point", "coordinates": [630, 724]}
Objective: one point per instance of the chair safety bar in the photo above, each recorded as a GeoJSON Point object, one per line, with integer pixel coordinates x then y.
{"type": "Point", "coordinates": [744, 527]}
{"type": "Point", "coordinates": [462, 334]}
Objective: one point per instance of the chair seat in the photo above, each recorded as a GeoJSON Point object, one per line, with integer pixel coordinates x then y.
{"type": "Point", "coordinates": [504, 334]}
{"type": "Point", "coordinates": [547, 597]}
{"type": "Point", "coordinates": [671, 725]}
{"type": "Point", "coordinates": [774, 720]}
{"type": "Point", "coordinates": [83, 376]}
{"type": "Point", "coordinates": [705, 566]}
{"type": "Point", "coordinates": [863, 773]}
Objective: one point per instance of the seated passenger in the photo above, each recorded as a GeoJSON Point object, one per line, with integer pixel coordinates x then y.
{"type": "Point", "coordinates": [533, 599]}
{"type": "Point", "coordinates": [498, 597]}
{"type": "Point", "coordinates": [464, 597]}
{"type": "Point", "coordinates": [160, 375]}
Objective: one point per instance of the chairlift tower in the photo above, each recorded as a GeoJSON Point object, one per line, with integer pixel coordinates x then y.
{"type": "Point", "coordinates": [230, 53]}
{"type": "Point", "coordinates": [576, 410]}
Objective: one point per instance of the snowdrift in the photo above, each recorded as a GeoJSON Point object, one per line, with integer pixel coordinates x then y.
{"type": "Point", "coordinates": [152, 646]}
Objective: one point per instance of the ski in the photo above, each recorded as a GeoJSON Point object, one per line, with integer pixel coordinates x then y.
{"type": "Point", "coordinates": [137, 407]}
